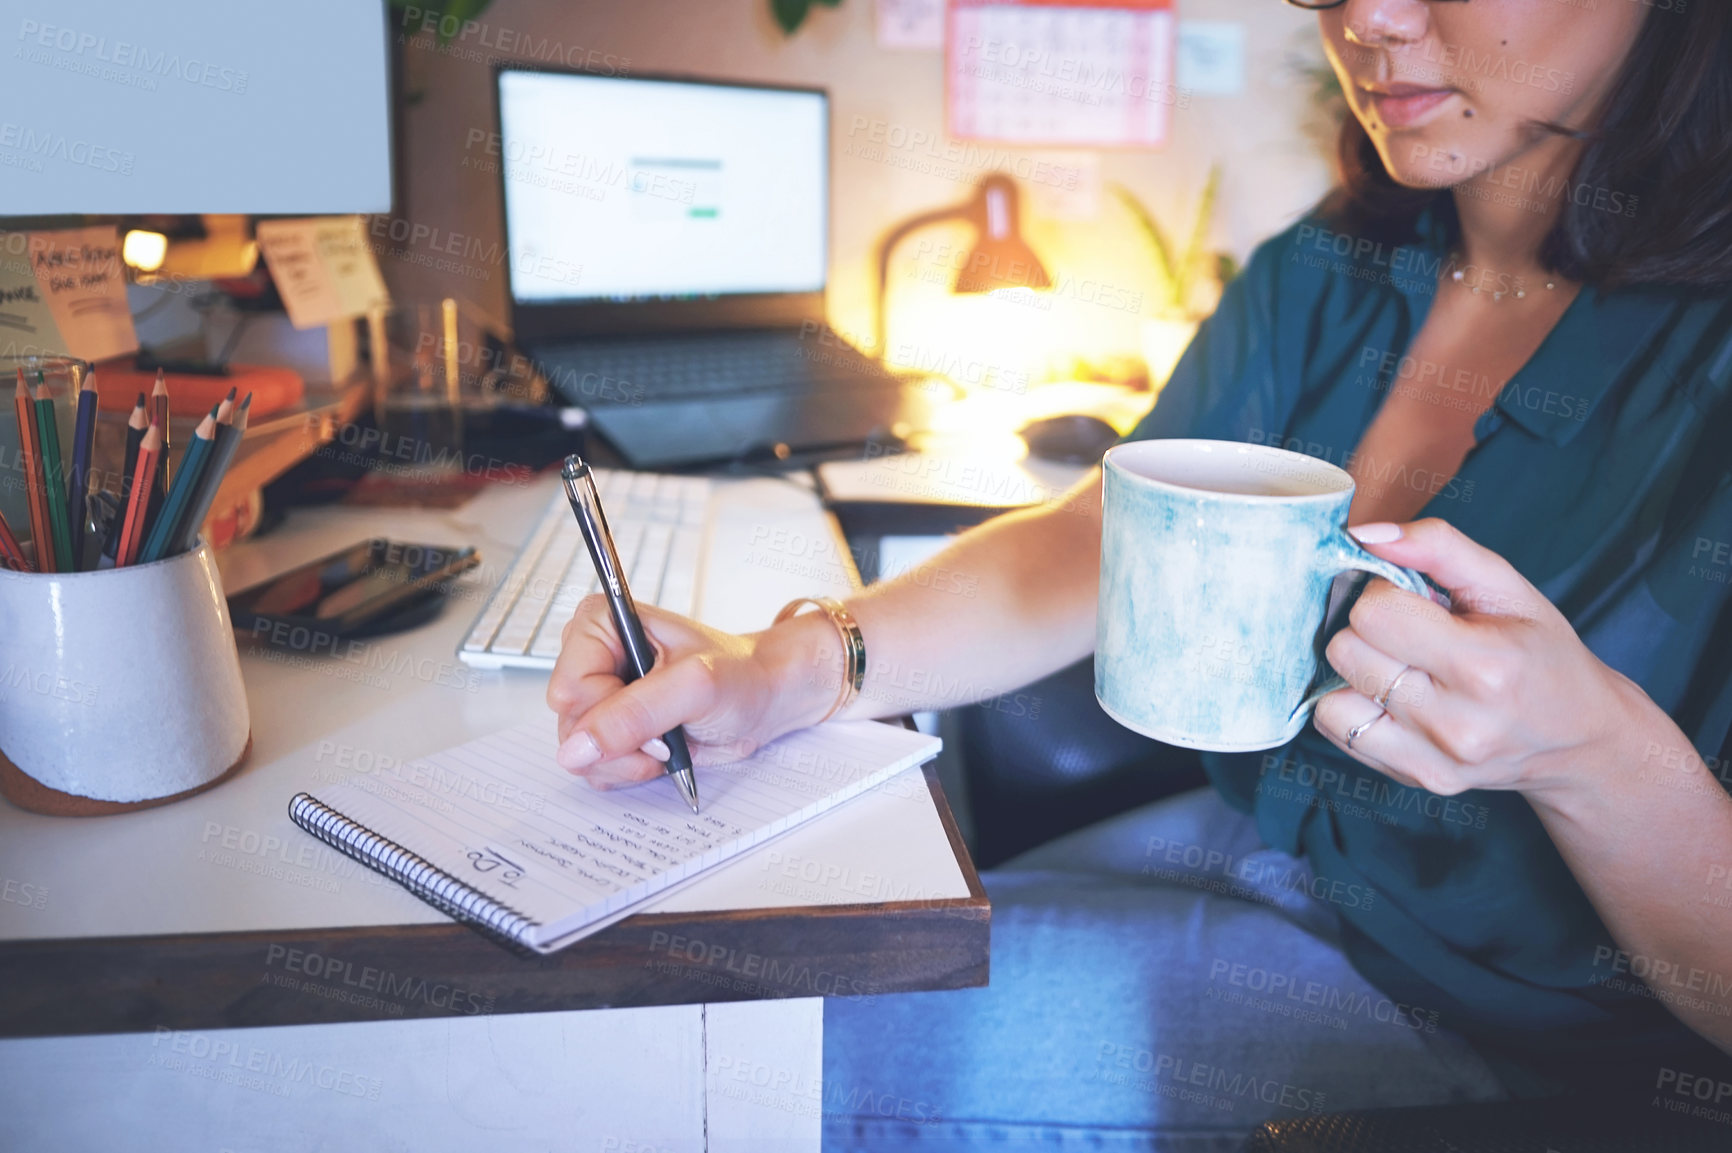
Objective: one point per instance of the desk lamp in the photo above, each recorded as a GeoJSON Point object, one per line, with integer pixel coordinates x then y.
{"type": "Point", "coordinates": [1000, 257]}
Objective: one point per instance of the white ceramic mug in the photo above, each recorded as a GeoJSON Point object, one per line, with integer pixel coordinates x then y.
{"type": "Point", "coordinates": [119, 688]}
{"type": "Point", "coordinates": [1216, 562]}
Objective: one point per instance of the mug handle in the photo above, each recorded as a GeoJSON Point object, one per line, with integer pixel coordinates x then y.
{"type": "Point", "coordinates": [1341, 553]}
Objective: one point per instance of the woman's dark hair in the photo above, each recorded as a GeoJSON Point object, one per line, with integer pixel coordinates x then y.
{"type": "Point", "coordinates": [1662, 154]}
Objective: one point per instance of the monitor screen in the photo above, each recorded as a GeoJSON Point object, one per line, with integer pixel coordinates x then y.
{"type": "Point", "coordinates": [633, 189]}
{"type": "Point", "coordinates": [114, 107]}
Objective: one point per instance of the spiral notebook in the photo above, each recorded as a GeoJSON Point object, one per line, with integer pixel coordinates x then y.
{"type": "Point", "coordinates": [494, 832]}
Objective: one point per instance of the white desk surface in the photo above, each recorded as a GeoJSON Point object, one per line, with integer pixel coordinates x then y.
{"type": "Point", "coordinates": [230, 860]}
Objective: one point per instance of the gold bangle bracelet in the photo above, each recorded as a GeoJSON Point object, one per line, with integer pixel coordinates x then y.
{"type": "Point", "coordinates": [853, 646]}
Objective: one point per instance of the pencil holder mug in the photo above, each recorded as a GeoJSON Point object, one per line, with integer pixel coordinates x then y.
{"type": "Point", "coordinates": [1216, 562]}
{"type": "Point", "coordinates": [119, 688]}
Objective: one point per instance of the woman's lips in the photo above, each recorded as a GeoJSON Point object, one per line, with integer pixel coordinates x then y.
{"type": "Point", "coordinates": [1403, 105]}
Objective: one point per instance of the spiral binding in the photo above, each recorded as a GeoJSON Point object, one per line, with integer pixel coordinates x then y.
{"type": "Point", "coordinates": [420, 876]}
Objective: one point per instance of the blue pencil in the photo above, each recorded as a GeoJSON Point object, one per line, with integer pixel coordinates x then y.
{"type": "Point", "coordinates": [186, 477]}
{"type": "Point", "coordinates": [222, 454]}
{"type": "Point", "coordinates": [83, 444]}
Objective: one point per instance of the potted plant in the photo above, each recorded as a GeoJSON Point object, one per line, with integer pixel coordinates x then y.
{"type": "Point", "coordinates": [1189, 281]}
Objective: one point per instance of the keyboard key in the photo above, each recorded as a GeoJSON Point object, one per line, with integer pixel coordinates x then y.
{"type": "Point", "coordinates": [680, 585]}
{"type": "Point", "coordinates": [519, 628]}
{"type": "Point", "coordinates": [548, 640]}
{"type": "Point", "coordinates": [627, 539]}
{"type": "Point", "coordinates": [670, 498]}
{"type": "Point", "coordinates": [694, 501]}
{"type": "Point", "coordinates": [481, 635]}
{"type": "Point", "coordinates": [646, 575]}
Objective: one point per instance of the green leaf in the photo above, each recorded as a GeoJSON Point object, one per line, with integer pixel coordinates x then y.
{"type": "Point", "coordinates": [790, 14]}
{"type": "Point", "coordinates": [448, 15]}
{"type": "Point", "coordinates": [1199, 235]}
{"type": "Point", "coordinates": [1178, 275]}
{"type": "Point", "coordinates": [1158, 241]}
{"type": "Point", "coordinates": [466, 9]}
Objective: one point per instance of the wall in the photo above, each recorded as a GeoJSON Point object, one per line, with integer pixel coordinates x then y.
{"type": "Point", "coordinates": [1273, 167]}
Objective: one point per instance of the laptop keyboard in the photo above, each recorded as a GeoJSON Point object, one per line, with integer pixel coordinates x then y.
{"type": "Point", "coordinates": [601, 373]}
{"type": "Point", "coordinates": [657, 521]}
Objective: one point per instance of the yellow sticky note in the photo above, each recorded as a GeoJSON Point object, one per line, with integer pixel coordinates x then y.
{"type": "Point", "coordinates": [27, 325]}
{"type": "Point", "coordinates": [323, 268]}
{"type": "Point", "coordinates": [80, 275]}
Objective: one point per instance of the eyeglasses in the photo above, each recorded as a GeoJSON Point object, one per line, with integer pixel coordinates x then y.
{"type": "Point", "coordinates": [1317, 5]}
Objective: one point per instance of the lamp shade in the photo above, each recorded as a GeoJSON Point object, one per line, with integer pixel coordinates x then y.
{"type": "Point", "coordinates": [1000, 257]}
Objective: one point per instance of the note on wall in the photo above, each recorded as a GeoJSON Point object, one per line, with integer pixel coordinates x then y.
{"type": "Point", "coordinates": [323, 268]}
{"type": "Point", "coordinates": [916, 24]}
{"type": "Point", "coordinates": [1062, 72]}
{"type": "Point", "coordinates": [1211, 57]}
{"type": "Point", "coordinates": [80, 276]}
{"type": "Point", "coordinates": [27, 326]}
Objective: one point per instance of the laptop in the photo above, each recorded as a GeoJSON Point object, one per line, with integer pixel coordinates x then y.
{"type": "Point", "coordinates": [667, 247]}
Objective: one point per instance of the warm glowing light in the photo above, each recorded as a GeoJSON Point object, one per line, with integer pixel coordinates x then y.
{"type": "Point", "coordinates": [144, 250]}
{"type": "Point", "coordinates": [983, 426]}
{"type": "Point", "coordinates": [1164, 342]}
{"type": "Point", "coordinates": [996, 342]}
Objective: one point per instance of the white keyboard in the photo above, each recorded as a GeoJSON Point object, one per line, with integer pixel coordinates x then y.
{"type": "Point", "coordinates": [657, 521]}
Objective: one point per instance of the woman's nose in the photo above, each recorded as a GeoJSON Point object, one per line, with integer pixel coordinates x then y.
{"type": "Point", "coordinates": [1385, 23]}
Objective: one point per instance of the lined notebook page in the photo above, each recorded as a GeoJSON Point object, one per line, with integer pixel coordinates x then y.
{"type": "Point", "coordinates": [499, 815]}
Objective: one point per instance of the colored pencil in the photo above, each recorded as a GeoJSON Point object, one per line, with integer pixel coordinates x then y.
{"type": "Point", "coordinates": [29, 453]}
{"type": "Point", "coordinates": [53, 476]}
{"type": "Point", "coordinates": [135, 426]}
{"type": "Point", "coordinates": [83, 448]}
{"type": "Point", "coordinates": [186, 480]}
{"type": "Point", "coordinates": [132, 530]}
{"type": "Point", "coordinates": [226, 410]}
{"type": "Point", "coordinates": [159, 413]}
{"type": "Point", "coordinates": [154, 495]}
{"type": "Point", "coordinates": [228, 440]}
{"type": "Point", "coordinates": [10, 550]}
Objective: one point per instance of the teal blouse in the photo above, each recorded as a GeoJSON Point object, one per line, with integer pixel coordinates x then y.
{"type": "Point", "coordinates": [1603, 472]}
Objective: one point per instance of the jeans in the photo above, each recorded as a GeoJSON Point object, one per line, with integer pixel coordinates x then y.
{"type": "Point", "coordinates": [1159, 981]}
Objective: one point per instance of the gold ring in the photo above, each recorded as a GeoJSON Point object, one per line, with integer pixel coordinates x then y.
{"type": "Point", "coordinates": [1357, 731]}
{"type": "Point", "coordinates": [1382, 701]}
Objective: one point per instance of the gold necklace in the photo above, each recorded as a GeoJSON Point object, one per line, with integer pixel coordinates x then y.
{"type": "Point", "coordinates": [1459, 275]}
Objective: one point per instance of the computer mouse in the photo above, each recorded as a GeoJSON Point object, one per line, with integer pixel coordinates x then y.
{"type": "Point", "coordinates": [1074, 438]}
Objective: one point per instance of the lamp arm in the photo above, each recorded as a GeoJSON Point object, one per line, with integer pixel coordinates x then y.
{"type": "Point", "coordinates": [887, 246]}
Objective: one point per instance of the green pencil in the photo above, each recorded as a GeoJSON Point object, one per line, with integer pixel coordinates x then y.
{"type": "Point", "coordinates": [186, 478]}
{"type": "Point", "coordinates": [53, 477]}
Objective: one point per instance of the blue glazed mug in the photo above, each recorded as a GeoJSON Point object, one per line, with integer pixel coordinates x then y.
{"type": "Point", "coordinates": [1216, 563]}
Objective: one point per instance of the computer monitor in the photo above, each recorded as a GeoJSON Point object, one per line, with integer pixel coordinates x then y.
{"type": "Point", "coordinates": [112, 107]}
{"type": "Point", "coordinates": [641, 203]}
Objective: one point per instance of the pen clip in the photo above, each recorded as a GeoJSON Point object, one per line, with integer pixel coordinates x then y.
{"type": "Point", "coordinates": [586, 503]}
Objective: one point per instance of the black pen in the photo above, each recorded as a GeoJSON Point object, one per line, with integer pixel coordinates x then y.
{"type": "Point", "coordinates": [640, 656]}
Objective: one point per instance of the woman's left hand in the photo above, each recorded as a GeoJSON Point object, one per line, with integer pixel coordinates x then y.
{"type": "Point", "coordinates": [1499, 693]}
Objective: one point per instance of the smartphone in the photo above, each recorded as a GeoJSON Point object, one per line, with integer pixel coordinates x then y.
{"type": "Point", "coordinates": [353, 591]}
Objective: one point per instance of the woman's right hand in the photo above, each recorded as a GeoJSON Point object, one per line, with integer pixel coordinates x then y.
{"type": "Point", "coordinates": [727, 690]}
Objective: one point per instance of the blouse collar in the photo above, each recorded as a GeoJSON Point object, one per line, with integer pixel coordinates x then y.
{"type": "Point", "coordinates": [1600, 335]}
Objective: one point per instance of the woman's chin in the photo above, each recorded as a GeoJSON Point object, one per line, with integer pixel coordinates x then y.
{"type": "Point", "coordinates": [1414, 166]}
{"type": "Point", "coordinates": [1422, 181]}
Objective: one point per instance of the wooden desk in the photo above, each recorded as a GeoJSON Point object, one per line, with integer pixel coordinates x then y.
{"type": "Point", "coordinates": [216, 913]}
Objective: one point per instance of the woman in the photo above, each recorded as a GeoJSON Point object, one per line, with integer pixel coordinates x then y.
{"type": "Point", "coordinates": [1511, 324]}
